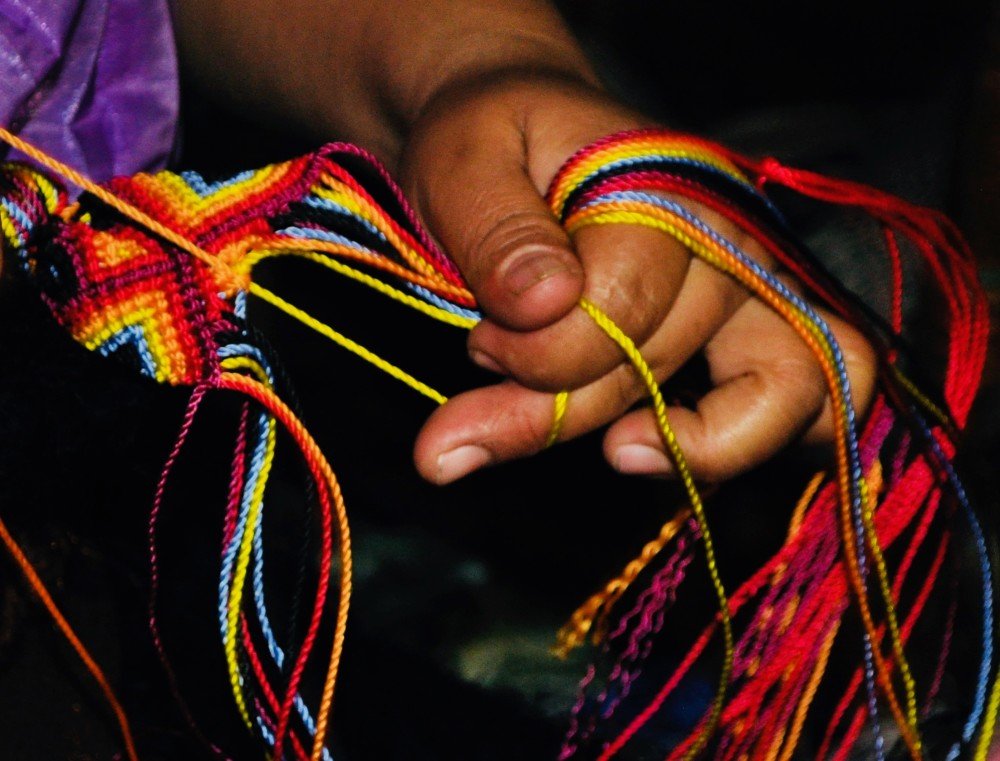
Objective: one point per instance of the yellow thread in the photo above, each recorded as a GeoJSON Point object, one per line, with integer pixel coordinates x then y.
{"type": "Point", "coordinates": [247, 363]}
{"type": "Point", "coordinates": [709, 250]}
{"type": "Point", "coordinates": [240, 575]}
{"type": "Point", "coordinates": [799, 512]}
{"type": "Point", "coordinates": [368, 212]}
{"type": "Point", "coordinates": [342, 340]}
{"type": "Point", "coordinates": [558, 418]}
{"type": "Point", "coordinates": [779, 737]}
{"type": "Point", "coordinates": [449, 318]}
{"type": "Point", "coordinates": [395, 372]}
{"type": "Point", "coordinates": [48, 190]}
{"type": "Point", "coordinates": [239, 578]}
{"type": "Point", "coordinates": [188, 205]}
{"type": "Point", "coordinates": [989, 721]}
{"type": "Point", "coordinates": [670, 441]}
{"type": "Point", "coordinates": [142, 309]}
{"type": "Point", "coordinates": [789, 613]}
{"type": "Point", "coordinates": [925, 402]}
{"type": "Point", "coordinates": [6, 225]}
{"type": "Point", "coordinates": [280, 245]}
{"type": "Point", "coordinates": [602, 157]}
{"type": "Point", "coordinates": [229, 280]}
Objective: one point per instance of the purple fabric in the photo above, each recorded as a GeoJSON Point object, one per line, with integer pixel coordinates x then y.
{"type": "Point", "coordinates": [93, 82]}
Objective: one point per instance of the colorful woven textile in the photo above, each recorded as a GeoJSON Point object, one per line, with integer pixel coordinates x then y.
{"type": "Point", "coordinates": [157, 270]}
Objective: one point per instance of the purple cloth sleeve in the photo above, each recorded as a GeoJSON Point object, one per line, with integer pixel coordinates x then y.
{"type": "Point", "coordinates": [93, 82]}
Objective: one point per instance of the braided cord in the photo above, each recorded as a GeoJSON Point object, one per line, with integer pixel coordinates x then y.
{"type": "Point", "coordinates": [676, 222]}
{"type": "Point", "coordinates": [628, 347]}
{"type": "Point", "coordinates": [318, 212]}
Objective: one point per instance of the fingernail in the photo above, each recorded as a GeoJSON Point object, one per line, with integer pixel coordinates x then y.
{"type": "Point", "coordinates": [642, 460]}
{"type": "Point", "coordinates": [486, 362]}
{"type": "Point", "coordinates": [461, 461]}
{"type": "Point", "coordinates": [530, 269]}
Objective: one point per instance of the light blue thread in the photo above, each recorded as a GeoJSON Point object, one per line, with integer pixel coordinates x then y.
{"type": "Point", "coordinates": [854, 461]}
{"type": "Point", "coordinates": [135, 336]}
{"type": "Point", "coordinates": [197, 183]}
{"type": "Point", "coordinates": [277, 654]}
{"type": "Point", "coordinates": [254, 473]}
{"type": "Point", "coordinates": [328, 205]}
{"type": "Point", "coordinates": [275, 650]}
{"type": "Point", "coordinates": [986, 571]}
{"type": "Point", "coordinates": [17, 213]}
{"type": "Point", "coordinates": [247, 350]}
{"type": "Point", "coordinates": [265, 731]}
{"type": "Point", "coordinates": [240, 304]}
{"type": "Point", "coordinates": [254, 468]}
{"type": "Point", "coordinates": [324, 235]}
{"type": "Point", "coordinates": [269, 738]}
{"type": "Point", "coordinates": [444, 304]}
{"type": "Point", "coordinates": [309, 233]}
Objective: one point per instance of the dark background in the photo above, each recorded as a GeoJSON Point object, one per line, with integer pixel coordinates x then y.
{"type": "Point", "coordinates": [459, 589]}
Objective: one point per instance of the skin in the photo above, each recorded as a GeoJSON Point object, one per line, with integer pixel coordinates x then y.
{"type": "Point", "coordinates": [475, 105]}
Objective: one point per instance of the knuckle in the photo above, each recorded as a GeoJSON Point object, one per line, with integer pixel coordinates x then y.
{"type": "Point", "coordinates": [713, 470]}
{"type": "Point", "coordinates": [626, 387]}
{"type": "Point", "coordinates": [545, 376]}
{"type": "Point", "coordinates": [517, 429]}
{"type": "Point", "coordinates": [503, 228]}
{"type": "Point", "coordinates": [630, 297]}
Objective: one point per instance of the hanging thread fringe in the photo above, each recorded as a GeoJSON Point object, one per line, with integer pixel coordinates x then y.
{"type": "Point", "coordinates": [156, 269]}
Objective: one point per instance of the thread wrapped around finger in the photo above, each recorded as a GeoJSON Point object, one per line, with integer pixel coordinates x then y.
{"type": "Point", "coordinates": [157, 270]}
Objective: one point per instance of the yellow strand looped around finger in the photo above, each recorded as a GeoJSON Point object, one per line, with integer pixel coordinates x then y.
{"type": "Point", "coordinates": [560, 405]}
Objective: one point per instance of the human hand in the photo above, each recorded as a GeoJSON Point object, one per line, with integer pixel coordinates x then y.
{"type": "Point", "coordinates": [477, 104]}
{"type": "Point", "coordinates": [476, 166]}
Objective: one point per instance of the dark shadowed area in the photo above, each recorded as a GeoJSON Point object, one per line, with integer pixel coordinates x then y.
{"type": "Point", "coordinates": [460, 589]}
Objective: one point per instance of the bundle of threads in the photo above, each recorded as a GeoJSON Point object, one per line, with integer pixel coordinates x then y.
{"type": "Point", "coordinates": [157, 270]}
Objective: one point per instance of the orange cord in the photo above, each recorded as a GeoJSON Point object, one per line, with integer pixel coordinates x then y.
{"type": "Point", "coordinates": [227, 276]}
{"type": "Point", "coordinates": [43, 594]}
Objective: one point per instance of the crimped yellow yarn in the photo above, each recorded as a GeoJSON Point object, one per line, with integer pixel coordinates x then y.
{"type": "Point", "coordinates": [683, 472]}
{"type": "Point", "coordinates": [706, 248]}
{"type": "Point", "coordinates": [240, 576]}
{"type": "Point", "coordinates": [558, 417]}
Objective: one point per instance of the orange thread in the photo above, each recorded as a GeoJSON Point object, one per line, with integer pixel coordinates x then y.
{"type": "Point", "coordinates": [43, 594]}
{"type": "Point", "coordinates": [704, 245]}
{"type": "Point", "coordinates": [315, 458]}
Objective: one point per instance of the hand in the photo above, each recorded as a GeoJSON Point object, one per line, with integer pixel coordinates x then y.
{"type": "Point", "coordinates": [476, 167]}
{"type": "Point", "coordinates": [478, 104]}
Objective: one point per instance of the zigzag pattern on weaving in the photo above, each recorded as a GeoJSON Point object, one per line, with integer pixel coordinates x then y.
{"type": "Point", "coordinates": [121, 291]}
{"type": "Point", "coordinates": [180, 320]}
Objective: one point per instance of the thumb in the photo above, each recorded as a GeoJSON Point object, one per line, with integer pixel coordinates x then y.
{"type": "Point", "coordinates": [473, 191]}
